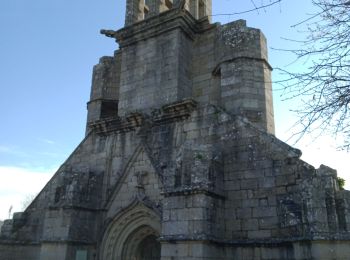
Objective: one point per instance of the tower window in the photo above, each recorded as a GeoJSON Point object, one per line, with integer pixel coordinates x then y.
{"type": "Point", "coordinates": [143, 10]}
{"type": "Point", "coordinates": [169, 4]}
{"type": "Point", "coordinates": [165, 5]}
{"type": "Point", "coordinates": [201, 9]}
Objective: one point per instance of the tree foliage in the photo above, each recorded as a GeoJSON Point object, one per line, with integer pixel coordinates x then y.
{"type": "Point", "coordinates": [324, 80]}
{"type": "Point", "coordinates": [341, 183]}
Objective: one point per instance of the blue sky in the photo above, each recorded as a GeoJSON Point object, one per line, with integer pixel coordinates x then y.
{"type": "Point", "coordinates": [47, 51]}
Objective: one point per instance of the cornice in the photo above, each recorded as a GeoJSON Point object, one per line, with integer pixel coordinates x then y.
{"type": "Point", "coordinates": [160, 24]}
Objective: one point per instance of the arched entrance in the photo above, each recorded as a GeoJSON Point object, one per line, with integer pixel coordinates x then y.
{"type": "Point", "coordinates": [132, 235]}
{"type": "Point", "coordinates": [149, 249]}
{"type": "Point", "coordinates": [143, 244]}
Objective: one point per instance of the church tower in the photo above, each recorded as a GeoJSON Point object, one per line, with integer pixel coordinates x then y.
{"type": "Point", "coordinates": [169, 51]}
{"type": "Point", "coordinates": [138, 10]}
{"type": "Point", "coordinates": [180, 160]}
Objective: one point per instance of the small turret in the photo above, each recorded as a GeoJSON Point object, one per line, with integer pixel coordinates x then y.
{"type": "Point", "coordinates": [104, 90]}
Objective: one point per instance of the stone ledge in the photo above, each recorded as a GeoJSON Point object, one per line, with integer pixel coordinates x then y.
{"type": "Point", "coordinates": [157, 25]}
{"type": "Point", "coordinates": [76, 208]}
{"type": "Point", "coordinates": [192, 191]}
{"type": "Point", "coordinates": [71, 242]}
{"type": "Point", "coordinates": [216, 70]}
{"type": "Point", "coordinates": [117, 124]}
{"type": "Point", "coordinates": [179, 110]}
{"type": "Point", "coordinates": [176, 111]}
{"type": "Point", "coordinates": [247, 242]}
{"type": "Point", "coordinates": [18, 243]}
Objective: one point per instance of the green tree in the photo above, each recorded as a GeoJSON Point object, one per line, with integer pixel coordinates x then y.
{"type": "Point", "coordinates": [341, 183]}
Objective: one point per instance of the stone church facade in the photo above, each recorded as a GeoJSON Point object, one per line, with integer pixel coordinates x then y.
{"type": "Point", "coordinates": [180, 160]}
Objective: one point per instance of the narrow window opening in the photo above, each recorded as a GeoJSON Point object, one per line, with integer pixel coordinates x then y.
{"type": "Point", "coordinates": [143, 10]}
{"type": "Point", "coordinates": [178, 176]}
{"type": "Point", "coordinates": [169, 4]}
{"type": "Point", "coordinates": [165, 5]}
{"type": "Point", "coordinates": [201, 9]}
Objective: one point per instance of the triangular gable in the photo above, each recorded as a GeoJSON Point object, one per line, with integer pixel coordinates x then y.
{"type": "Point", "coordinates": [139, 180]}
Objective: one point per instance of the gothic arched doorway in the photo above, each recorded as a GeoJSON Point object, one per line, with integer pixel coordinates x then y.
{"type": "Point", "coordinates": [142, 244]}
{"type": "Point", "coordinates": [149, 249]}
{"type": "Point", "coordinates": [133, 235]}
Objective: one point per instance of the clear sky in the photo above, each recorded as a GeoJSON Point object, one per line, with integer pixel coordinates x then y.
{"type": "Point", "coordinates": [47, 51]}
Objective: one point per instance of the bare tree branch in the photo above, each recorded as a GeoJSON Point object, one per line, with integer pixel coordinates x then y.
{"type": "Point", "coordinates": [325, 82]}
{"type": "Point", "coordinates": [256, 8]}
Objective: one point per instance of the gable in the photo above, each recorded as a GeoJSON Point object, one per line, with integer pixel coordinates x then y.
{"type": "Point", "coordinates": [139, 181]}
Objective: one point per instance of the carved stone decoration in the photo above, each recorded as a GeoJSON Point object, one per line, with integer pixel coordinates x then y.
{"type": "Point", "coordinates": [290, 213]}
{"type": "Point", "coordinates": [118, 124]}
{"type": "Point", "coordinates": [197, 171]}
{"type": "Point", "coordinates": [172, 112]}
{"type": "Point", "coordinates": [108, 33]}
{"type": "Point", "coordinates": [140, 178]}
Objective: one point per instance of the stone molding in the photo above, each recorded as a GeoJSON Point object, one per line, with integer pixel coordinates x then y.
{"type": "Point", "coordinates": [192, 191]}
{"type": "Point", "coordinates": [252, 242]}
{"type": "Point", "coordinates": [117, 235]}
{"type": "Point", "coordinates": [153, 26]}
{"type": "Point", "coordinates": [216, 70]}
{"type": "Point", "coordinates": [176, 111]}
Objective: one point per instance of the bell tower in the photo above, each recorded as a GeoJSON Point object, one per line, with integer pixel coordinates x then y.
{"type": "Point", "coordinates": [156, 52]}
{"type": "Point", "coordinates": [138, 10]}
{"type": "Point", "coordinates": [169, 51]}
{"type": "Point", "coordinates": [199, 8]}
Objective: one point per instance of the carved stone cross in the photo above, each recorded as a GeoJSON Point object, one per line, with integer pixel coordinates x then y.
{"type": "Point", "coordinates": [140, 176]}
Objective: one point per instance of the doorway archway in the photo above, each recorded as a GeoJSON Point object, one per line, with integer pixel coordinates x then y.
{"type": "Point", "coordinates": [142, 244]}
{"type": "Point", "coordinates": [133, 235]}
{"type": "Point", "coordinates": [149, 249]}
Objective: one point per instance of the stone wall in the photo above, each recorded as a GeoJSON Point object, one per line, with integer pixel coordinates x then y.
{"type": "Point", "coordinates": [105, 89]}
{"type": "Point", "coordinates": [11, 251]}
{"type": "Point", "coordinates": [173, 57]}
{"type": "Point", "coordinates": [151, 74]}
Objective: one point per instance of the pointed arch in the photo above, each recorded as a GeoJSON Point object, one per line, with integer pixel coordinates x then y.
{"type": "Point", "coordinates": [128, 231]}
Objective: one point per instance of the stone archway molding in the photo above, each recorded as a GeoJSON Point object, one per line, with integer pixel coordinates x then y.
{"type": "Point", "coordinates": [127, 229]}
